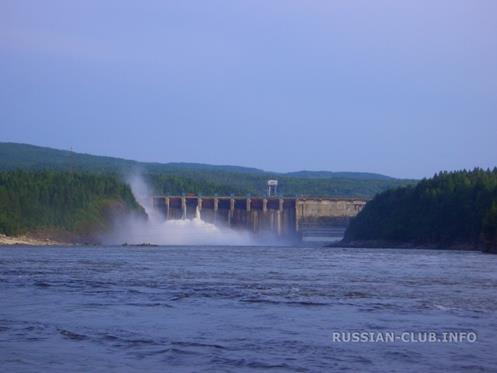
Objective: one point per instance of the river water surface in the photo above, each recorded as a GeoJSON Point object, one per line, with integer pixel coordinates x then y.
{"type": "Point", "coordinates": [242, 309]}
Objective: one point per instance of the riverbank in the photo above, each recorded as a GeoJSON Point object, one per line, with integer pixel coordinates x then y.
{"type": "Point", "coordinates": [26, 240]}
{"type": "Point", "coordinates": [376, 244]}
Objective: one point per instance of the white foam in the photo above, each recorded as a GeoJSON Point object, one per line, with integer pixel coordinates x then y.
{"type": "Point", "coordinates": [155, 230]}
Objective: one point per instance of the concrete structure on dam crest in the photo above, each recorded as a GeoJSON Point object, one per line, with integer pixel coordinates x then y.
{"type": "Point", "coordinates": [293, 218]}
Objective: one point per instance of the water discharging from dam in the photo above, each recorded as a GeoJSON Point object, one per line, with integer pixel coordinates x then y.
{"type": "Point", "coordinates": [155, 230]}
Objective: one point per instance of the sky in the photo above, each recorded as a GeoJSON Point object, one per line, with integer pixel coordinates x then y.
{"type": "Point", "coordinates": [404, 88]}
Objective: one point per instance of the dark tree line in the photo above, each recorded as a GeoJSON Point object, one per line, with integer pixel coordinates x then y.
{"type": "Point", "coordinates": [450, 208]}
{"type": "Point", "coordinates": [226, 183]}
{"type": "Point", "coordinates": [36, 200]}
{"type": "Point", "coordinates": [177, 178]}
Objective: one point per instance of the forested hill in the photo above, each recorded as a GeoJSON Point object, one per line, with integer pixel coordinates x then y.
{"type": "Point", "coordinates": [25, 156]}
{"type": "Point", "coordinates": [450, 209]}
{"type": "Point", "coordinates": [61, 205]}
{"type": "Point", "coordinates": [199, 178]}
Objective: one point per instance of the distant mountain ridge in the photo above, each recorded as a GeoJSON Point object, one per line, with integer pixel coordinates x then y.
{"type": "Point", "coordinates": [178, 177]}
{"type": "Point", "coordinates": [341, 175]}
{"type": "Point", "coordinates": [17, 155]}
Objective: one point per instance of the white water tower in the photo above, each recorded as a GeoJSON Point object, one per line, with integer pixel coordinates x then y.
{"type": "Point", "coordinates": [272, 188]}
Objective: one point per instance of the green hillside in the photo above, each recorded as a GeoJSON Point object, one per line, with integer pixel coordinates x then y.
{"type": "Point", "coordinates": [77, 204]}
{"type": "Point", "coordinates": [199, 178]}
{"type": "Point", "coordinates": [452, 208]}
{"type": "Point", "coordinates": [338, 175]}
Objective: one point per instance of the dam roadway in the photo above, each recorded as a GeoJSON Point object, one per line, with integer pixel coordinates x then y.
{"type": "Point", "coordinates": [300, 218]}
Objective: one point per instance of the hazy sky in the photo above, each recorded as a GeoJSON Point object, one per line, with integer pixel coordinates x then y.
{"type": "Point", "coordinates": [404, 88]}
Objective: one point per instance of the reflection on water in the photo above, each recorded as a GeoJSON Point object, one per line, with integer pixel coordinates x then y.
{"type": "Point", "coordinates": [232, 308]}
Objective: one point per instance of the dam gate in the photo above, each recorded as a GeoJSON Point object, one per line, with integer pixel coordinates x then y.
{"type": "Point", "coordinates": [302, 218]}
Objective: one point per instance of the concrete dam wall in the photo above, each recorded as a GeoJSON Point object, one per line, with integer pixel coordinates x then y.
{"type": "Point", "coordinates": [302, 218]}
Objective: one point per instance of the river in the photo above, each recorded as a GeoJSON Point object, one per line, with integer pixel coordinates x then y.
{"type": "Point", "coordinates": [228, 309]}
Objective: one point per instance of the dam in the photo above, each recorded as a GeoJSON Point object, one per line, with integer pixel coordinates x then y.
{"type": "Point", "coordinates": [299, 218]}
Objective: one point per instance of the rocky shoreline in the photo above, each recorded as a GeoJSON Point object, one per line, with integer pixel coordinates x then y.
{"type": "Point", "coordinates": [26, 240]}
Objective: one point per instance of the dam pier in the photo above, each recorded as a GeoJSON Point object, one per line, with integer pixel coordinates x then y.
{"type": "Point", "coordinates": [300, 218]}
